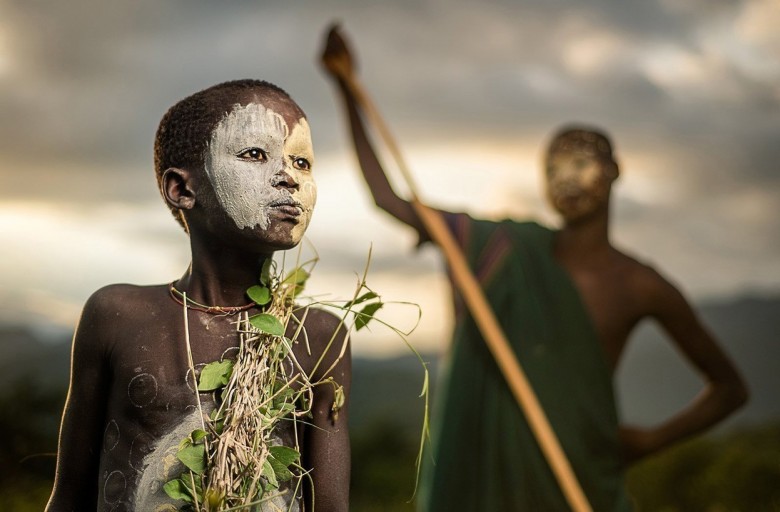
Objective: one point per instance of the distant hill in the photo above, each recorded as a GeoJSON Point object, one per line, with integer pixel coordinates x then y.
{"type": "Point", "coordinates": [652, 380]}
{"type": "Point", "coordinates": [29, 354]}
{"type": "Point", "coordinates": [386, 413]}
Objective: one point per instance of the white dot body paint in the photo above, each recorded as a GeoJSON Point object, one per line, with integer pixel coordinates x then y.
{"type": "Point", "coordinates": [246, 188]}
{"type": "Point", "coordinates": [111, 436]}
{"type": "Point", "coordinates": [142, 390]}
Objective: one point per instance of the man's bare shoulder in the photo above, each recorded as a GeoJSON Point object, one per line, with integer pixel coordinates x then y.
{"type": "Point", "coordinates": [645, 282]}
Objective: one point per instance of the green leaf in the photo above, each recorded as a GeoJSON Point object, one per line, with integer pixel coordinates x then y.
{"type": "Point", "coordinates": [281, 350]}
{"type": "Point", "coordinates": [215, 375]}
{"type": "Point", "coordinates": [283, 396]}
{"type": "Point", "coordinates": [177, 490]}
{"type": "Point", "coordinates": [366, 315]}
{"type": "Point", "coordinates": [197, 435]}
{"type": "Point", "coordinates": [284, 454]}
{"type": "Point", "coordinates": [265, 272]}
{"type": "Point", "coordinates": [338, 400]}
{"type": "Point", "coordinates": [194, 457]}
{"type": "Point", "coordinates": [366, 296]}
{"type": "Point", "coordinates": [214, 499]}
{"type": "Point", "coordinates": [280, 459]}
{"type": "Point", "coordinates": [281, 410]}
{"type": "Point", "coordinates": [260, 295]}
{"type": "Point", "coordinates": [267, 323]}
{"type": "Point", "coordinates": [297, 277]}
{"type": "Point", "coordinates": [270, 474]}
{"type": "Point", "coordinates": [305, 403]}
{"type": "Point", "coordinates": [185, 443]}
{"type": "Point", "coordinates": [281, 472]}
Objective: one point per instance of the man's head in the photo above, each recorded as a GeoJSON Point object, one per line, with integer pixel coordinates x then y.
{"type": "Point", "coordinates": [238, 155]}
{"type": "Point", "coordinates": [579, 169]}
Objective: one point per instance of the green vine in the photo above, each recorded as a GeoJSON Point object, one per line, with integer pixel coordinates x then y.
{"type": "Point", "coordinates": [235, 461]}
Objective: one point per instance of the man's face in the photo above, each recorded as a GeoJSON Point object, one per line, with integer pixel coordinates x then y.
{"type": "Point", "coordinates": [578, 183]}
{"type": "Point", "coordinates": [260, 166]}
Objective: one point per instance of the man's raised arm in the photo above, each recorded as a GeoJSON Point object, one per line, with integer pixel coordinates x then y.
{"type": "Point", "coordinates": [337, 61]}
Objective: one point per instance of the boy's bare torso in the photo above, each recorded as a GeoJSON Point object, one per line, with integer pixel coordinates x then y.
{"type": "Point", "coordinates": [150, 389]}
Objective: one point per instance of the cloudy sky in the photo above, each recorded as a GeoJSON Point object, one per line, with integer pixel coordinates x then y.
{"type": "Point", "coordinates": [689, 90]}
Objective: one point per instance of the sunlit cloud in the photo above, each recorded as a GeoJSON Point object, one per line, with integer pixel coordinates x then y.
{"type": "Point", "coordinates": [688, 90]}
{"type": "Point", "coordinates": [58, 254]}
{"type": "Point", "coordinates": [5, 54]}
{"type": "Point", "coordinates": [594, 53]}
{"type": "Point", "coordinates": [757, 25]}
{"type": "Point", "coordinates": [685, 73]}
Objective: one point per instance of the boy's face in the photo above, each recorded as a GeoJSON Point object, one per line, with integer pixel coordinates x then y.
{"type": "Point", "coordinates": [259, 163]}
{"type": "Point", "coordinates": [578, 183]}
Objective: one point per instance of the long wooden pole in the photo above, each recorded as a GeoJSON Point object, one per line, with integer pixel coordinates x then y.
{"type": "Point", "coordinates": [483, 315]}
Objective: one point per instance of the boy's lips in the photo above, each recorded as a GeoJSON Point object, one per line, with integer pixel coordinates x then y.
{"type": "Point", "coordinates": [288, 207]}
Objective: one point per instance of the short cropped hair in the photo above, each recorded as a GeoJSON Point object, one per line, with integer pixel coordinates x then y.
{"type": "Point", "coordinates": [587, 139]}
{"type": "Point", "coordinates": [183, 135]}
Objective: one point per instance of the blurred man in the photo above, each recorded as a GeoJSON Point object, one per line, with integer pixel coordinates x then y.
{"type": "Point", "coordinates": [567, 301]}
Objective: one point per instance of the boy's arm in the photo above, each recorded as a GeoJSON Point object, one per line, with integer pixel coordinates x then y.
{"type": "Point", "coordinates": [337, 61]}
{"type": "Point", "coordinates": [326, 450]}
{"type": "Point", "coordinates": [724, 389]}
{"type": "Point", "coordinates": [81, 432]}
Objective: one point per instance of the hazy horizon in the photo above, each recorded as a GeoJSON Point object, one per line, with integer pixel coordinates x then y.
{"type": "Point", "coordinates": [689, 92]}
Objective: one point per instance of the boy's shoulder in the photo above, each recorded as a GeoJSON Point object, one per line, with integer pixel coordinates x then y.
{"type": "Point", "coordinates": [321, 325]}
{"type": "Point", "coordinates": [326, 338]}
{"type": "Point", "coordinates": [123, 301]}
{"type": "Point", "coordinates": [113, 313]}
{"type": "Point", "coordinates": [320, 316]}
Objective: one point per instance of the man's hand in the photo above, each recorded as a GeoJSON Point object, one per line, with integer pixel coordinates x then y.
{"type": "Point", "coordinates": [636, 444]}
{"type": "Point", "coordinates": [336, 57]}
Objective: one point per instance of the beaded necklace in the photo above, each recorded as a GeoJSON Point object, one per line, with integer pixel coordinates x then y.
{"type": "Point", "coordinates": [180, 298]}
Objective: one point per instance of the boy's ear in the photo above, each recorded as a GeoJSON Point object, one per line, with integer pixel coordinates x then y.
{"type": "Point", "coordinates": [177, 187]}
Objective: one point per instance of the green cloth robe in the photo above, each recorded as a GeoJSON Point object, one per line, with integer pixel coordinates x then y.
{"type": "Point", "coordinates": [485, 456]}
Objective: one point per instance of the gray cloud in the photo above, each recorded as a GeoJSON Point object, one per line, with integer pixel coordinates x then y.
{"type": "Point", "coordinates": [85, 83]}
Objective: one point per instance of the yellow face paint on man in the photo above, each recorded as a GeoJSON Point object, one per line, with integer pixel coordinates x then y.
{"type": "Point", "coordinates": [578, 183]}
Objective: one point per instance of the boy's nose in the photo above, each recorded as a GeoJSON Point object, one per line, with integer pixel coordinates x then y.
{"type": "Point", "coordinates": [283, 179]}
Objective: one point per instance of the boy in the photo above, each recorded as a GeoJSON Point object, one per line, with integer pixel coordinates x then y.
{"type": "Point", "coordinates": [567, 301]}
{"type": "Point", "coordinates": [234, 165]}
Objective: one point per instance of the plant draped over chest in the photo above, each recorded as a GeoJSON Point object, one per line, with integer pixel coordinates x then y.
{"type": "Point", "coordinates": [236, 460]}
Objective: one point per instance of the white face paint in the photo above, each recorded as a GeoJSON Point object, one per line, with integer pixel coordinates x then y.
{"type": "Point", "coordinates": [577, 183]}
{"type": "Point", "coordinates": [261, 170]}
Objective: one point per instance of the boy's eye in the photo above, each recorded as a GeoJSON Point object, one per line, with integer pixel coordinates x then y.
{"type": "Point", "coordinates": [255, 154]}
{"type": "Point", "coordinates": [301, 164]}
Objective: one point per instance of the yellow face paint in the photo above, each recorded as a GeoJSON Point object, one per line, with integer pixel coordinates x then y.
{"type": "Point", "coordinates": [297, 149]}
{"type": "Point", "coordinates": [577, 183]}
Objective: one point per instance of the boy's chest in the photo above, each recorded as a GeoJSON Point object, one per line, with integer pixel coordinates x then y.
{"type": "Point", "coordinates": [154, 402]}
{"type": "Point", "coordinates": [152, 366]}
